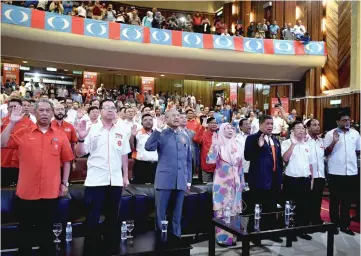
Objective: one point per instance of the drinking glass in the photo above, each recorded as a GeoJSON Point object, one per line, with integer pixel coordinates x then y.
{"type": "Point", "coordinates": [164, 226]}
{"type": "Point", "coordinates": [130, 227]}
{"type": "Point", "coordinates": [57, 228]}
{"type": "Point", "coordinates": [292, 207]}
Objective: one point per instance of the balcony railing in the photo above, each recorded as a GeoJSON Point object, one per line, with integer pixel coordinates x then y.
{"type": "Point", "coordinates": [109, 30]}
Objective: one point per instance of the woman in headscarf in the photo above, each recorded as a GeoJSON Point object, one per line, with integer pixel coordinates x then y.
{"type": "Point", "coordinates": [147, 20]}
{"type": "Point", "coordinates": [228, 178]}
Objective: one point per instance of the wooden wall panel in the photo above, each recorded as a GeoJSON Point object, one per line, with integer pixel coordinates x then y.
{"type": "Point", "coordinates": [290, 12]}
{"type": "Point", "coordinates": [278, 12]}
{"type": "Point", "coordinates": [245, 14]}
{"type": "Point", "coordinates": [344, 44]}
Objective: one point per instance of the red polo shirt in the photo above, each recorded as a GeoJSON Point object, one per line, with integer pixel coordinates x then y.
{"type": "Point", "coordinates": [9, 156]}
{"type": "Point", "coordinates": [68, 129]}
{"type": "Point", "coordinates": [204, 138]}
{"type": "Point", "coordinates": [193, 125]}
{"type": "Point", "coordinates": [40, 156]}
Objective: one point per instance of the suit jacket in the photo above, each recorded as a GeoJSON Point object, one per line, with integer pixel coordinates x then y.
{"type": "Point", "coordinates": [260, 174]}
{"type": "Point", "coordinates": [174, 169]}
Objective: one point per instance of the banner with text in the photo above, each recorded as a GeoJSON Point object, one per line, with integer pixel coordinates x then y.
{"type": "Point", "coordinates": [11, 71]}
{"type": "Point", "coordinates": [248, 90]}
{"type": "Point", "coordinates": [90, 78]}
{"type": "Point", "coordinates": [147, 84]}
{"type": "Point", "coordinates": [285, 104]}
{"type": "Point", "coordinates": [233, 87]}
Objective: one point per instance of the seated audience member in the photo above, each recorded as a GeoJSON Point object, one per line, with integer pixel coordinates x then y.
{"type": "Point", "coordinates": [203, 137]}
{"type": "Point", "coordinates": [40, 181]}
{"type": "Point", "coordinates": [145, 163]}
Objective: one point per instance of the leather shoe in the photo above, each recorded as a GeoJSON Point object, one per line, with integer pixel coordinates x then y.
{"type": "Point", "coordinates": [294, 239]}
{"type": "Point", "coordinates": [306, 237]}
{"type": "Point", "coordinates": [347, 231]}
{"type": "Point", "coordinates": [277, 240]}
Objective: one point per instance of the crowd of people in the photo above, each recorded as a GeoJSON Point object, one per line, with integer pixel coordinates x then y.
{"type": "Point", "coordinates": [153, 18]}
{"type": "Point", "coordinates": [280, 157]}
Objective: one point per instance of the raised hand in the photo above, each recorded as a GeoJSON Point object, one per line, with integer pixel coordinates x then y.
{"type": "Point", "coordinates": [134, 130]}
{"type": "Point", "coordinates": [82, 130]}
{"type": "Point", "coordinates": [204, 122]}
{"type": "Point", "coordinates": [293, 139]}
{"type": "Point", "coordinates": [16, 114]}
{"type": "Point", "coordinates": [261, 140]}
{"type": "Point", "coordinates": [160, 122]}
{"type": "Point", "coordinates": [336, 136]}
{"type": "Point", "coordinates": [80, 113]}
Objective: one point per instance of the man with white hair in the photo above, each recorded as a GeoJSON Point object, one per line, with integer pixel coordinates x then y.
{"type": "Point", "coordinates": [174, 170]}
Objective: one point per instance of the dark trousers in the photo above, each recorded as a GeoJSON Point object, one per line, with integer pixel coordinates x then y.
{"type": "Point", "coordinates": [9, 176]}
{"type": "Point", "coordinates": [144, 172]}
{"type": "Point", "coordinates": [316, 200]}
{"type": "Point", "coordinates": [298, 190]}
{"type": "Point", "coordinates": [245, 177]}
{"type": "Point", "coordinates": [167, 200]}
{"type": "Point", "coordinates": [341, 188]}
{"type": "Point", "coordinates": [36, 225]}
{"type": "Point", "coordinates": [97, 199]}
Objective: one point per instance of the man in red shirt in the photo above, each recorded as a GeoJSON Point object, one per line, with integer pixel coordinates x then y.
{"type": "Point", "coordinates": [42, 149]}
{"type": "Point", "coordinates": [192, 123]}
{"type": "Point", "coordinates": [67, 128]}
{"type": "Point", "coordinates": [204, 137]}
{"type": "Point", "coordinates": [9, 163]}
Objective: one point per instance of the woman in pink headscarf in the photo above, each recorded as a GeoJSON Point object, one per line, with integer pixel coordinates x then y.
{"type": "Point", "coordinates": [228, 178]}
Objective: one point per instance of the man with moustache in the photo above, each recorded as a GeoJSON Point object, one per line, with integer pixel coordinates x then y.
{"type": "Point", "coordinates": [298, 178]}
{"type": "Point", "coordinates": [145, 164]}
{"type": "Point", "coordinates": [60, 123]}
{"type": "Point", "coordinates": [174, 170]}
{"type": "Point", "coordinates": [42, 149]}
{"type": "Point", "coordinates": [317, 152]}
{"type": "Point", "coordinates": [266, 167]}
{"type": "Point", "coordinates": [343, 146]}
{"type": "Point", "coordinates": [107, 175]}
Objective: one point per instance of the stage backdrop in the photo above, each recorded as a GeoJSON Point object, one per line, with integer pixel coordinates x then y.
{"type": "Point", "coordinates": [90, 79]}
{"type": "Point", "coordinates": [11, 71]}
{"type": "Point", "coordinates": [147, 84]}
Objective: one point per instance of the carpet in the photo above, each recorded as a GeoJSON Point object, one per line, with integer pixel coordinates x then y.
{"type": "Point", "coordinates": [325, 215]}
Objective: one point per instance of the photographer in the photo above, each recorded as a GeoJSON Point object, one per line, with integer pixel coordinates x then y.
{"type": "Point", "coordinates": [56, 7]}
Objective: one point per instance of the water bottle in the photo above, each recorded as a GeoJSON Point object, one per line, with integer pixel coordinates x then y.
{"type": "Point", "coordinates": [68, 232]}
{"type": "Point", "coordinates": [257, 212]}
{"type": "Point", "coordinates": [287, 213]}
{"type": "Point", "coordinates": [124, 231]}
{"type": "Point", "coordinates": [227, 215]}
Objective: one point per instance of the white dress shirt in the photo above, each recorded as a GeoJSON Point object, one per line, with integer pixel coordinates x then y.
{"type": "Point", "coordinates": [106, 148]}
{"type": "Point", "coordinates": [317, 150]}
{"type": "Point", "coordinates": [141, 154]}
{"type": "Point", "coordinates": [241, 142]}
{"type": "Point", "coordinates": [300, 160]}
{"type": "Point", "coordinates": [71, 116]}
{"type": "Point", "coordinates": [279, 125]}
{"type": "Point", "coordinates": [126, 126]}
{"type": "Point", "coordinates": [254, 126]}
{"type": "Point", "coordinates": [343, 160]}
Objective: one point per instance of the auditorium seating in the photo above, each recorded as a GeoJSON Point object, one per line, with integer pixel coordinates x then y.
{"type": "Point", "coordinates": [137, 204]}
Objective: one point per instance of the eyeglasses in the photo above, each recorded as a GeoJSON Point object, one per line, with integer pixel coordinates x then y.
{"type": "Point", "coordinates": [345, 120]}
{"type": "Point", "coordinates": [109, 108]}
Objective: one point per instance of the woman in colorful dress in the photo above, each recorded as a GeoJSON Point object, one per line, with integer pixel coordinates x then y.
{"type": "Point", "coordinates": [228, 178]}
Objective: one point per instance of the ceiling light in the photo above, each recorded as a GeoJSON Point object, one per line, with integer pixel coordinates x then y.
{"type": "Point", "coordinates": [36, 74]}
{"type": "Point", "coordinates": [62, 77]}
{"type": "Point", "coordinates": [24, 68]}
{"type": "Point", "coordinates": [161, 75]}
{"type": "Point", "coordinates": [24, 61]}
{"type": "Point", "coordinates": [65, 70]}
{"type": "Point", "coordinates": [51, 69]}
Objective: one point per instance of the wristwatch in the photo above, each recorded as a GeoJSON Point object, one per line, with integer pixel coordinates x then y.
{"type": "Point", "coordinates": [66, 184]}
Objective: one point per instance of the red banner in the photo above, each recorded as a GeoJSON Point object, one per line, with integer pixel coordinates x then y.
{"type": "Point", "coordinates": [233, 93]}
{"type": "Point", "coordinates": [285, 104]}
{"type": "Point", "coordinates": [248, 90]}
{"type": "Point", "coordinates": [90, 79]}
{"type": "Point", "coordinates": [11, 71]}
{"type": "Point", "coordinates": [147, 84]}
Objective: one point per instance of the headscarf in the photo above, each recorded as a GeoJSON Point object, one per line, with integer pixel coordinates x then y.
{"type": "Point", "coordinates": [228, 147]}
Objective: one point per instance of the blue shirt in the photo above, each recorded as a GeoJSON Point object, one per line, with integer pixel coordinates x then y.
{"type": "Point", "coordinates": [226, 113]}
{"type": "Point", "coordinates": [274, 29]}
{"type": "Point", "coordinates": [235, 124]}
{"type": "Point", "coordinates": [68, 7]}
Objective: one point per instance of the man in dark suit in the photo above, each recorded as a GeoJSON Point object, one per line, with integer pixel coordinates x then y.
{"type": "Point", "coordinates": [263, 151]}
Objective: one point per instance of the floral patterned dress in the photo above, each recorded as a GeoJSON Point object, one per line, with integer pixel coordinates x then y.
{"type": "Point", "coordinates": [227, 191]}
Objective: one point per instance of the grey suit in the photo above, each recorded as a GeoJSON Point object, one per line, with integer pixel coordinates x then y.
{"type": "Point", "coordinates": [174, 171]}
